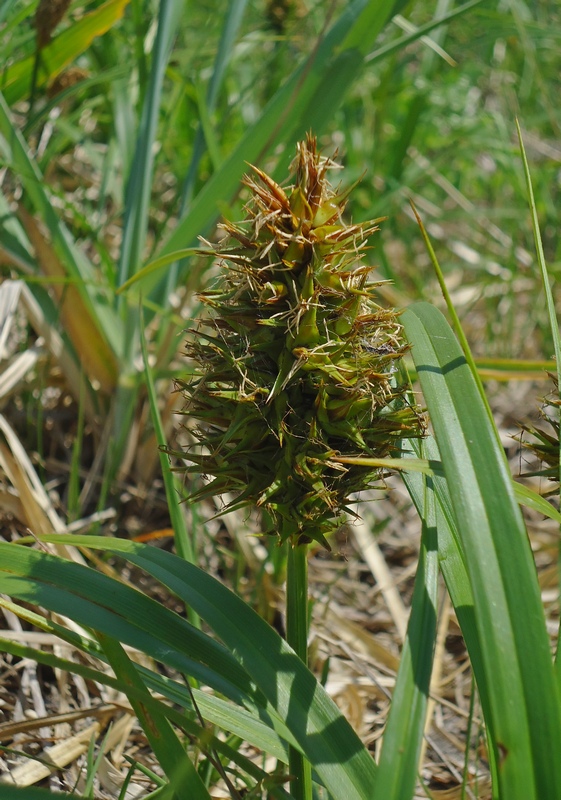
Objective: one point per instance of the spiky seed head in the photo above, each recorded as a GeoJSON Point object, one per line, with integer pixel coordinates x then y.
{"type": "Point", "coordinates": [544, 442]}
{"type": "Point", "coordinates": [296, 364]}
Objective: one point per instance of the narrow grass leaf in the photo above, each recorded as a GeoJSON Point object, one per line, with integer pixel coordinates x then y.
{"type": "Point", "coordinates": [550, 303]}
{"type": "Point", "coordinates": [456, 324]}
{"type": "Point", "coordinates": [523, 701]}
{"type": "Point", "coordinates": [531, 499]}
{"type": "Point", "coordinates": [168, 749]}
{"type": "Point", "coordinates": [551, 312]}
{"type": "Point", "coordinates": [182, 539]}
{"type": "Point", "coordinates": [403, 737]}
{"type": "Point", "coordinates": [139, 186]}
{"type": "Point", "coordinates": [157, 264]}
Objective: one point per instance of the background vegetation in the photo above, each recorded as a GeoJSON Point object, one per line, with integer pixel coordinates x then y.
{"type": "Point", "coordinates": [125, 128]}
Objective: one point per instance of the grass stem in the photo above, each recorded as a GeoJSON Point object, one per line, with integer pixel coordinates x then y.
{"type": "Point", "coordinates": [297, 638]}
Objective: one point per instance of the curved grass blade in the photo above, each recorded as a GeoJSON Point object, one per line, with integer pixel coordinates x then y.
{"type": "Point", "coordinates": [106, 605]}
{"type": "Point", "coordinates": [324, 735]}
{"type": "Point", "coordinates": [157, 264]}
{"type": "Point", "coordinates": [551, 312]}
{"type": "Point", "coordinates": [523, 706]}
{"type": "Point", "coordinates": [218, 712]}
{"type": "Point", "coordinates": [531, 499]}
{"type": "Point", "coordinates": [431, 467]}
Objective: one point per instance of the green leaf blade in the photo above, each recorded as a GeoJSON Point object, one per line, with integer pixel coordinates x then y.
{"type": "Point", "coordinates": [524, 706]}
{"type": "Point", "coordinates": [320, 730]}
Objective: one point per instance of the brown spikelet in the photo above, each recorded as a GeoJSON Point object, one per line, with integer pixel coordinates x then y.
{"type": "Point", "coordinates": [64, 80]}
{"type": "Point", "coordinates": [47, 16]}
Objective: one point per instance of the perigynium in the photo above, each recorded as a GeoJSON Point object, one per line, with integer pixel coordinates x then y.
{"type": "Point", "coordinates": [295, 365]}
{"type": "Point", "coordinates": [544, 443]}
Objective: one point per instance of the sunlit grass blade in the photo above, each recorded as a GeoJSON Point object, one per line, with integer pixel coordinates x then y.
{"type": "Point", "coordinates": [523, 711]}
{"type": "Point", "coordinates": [402, 743]}
{"type": "Point", "coordinates": [525, 496]}
{"type": "Point", "coordinates": [508, 369]}
{"type": "Point", "coordinates": [139, 185]}
{"type": "Point", "coordinates": [157, 264]}
{"type": "Point", "coordinates": [324, 735]}
{"type": "Point", "coordinates": [67, 46]}
{"type": "Point", "coordinates": [531, 499]}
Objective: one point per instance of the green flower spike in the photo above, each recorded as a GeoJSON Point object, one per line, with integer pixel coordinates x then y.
{"type": "Point", "coordinates": [295, 366]}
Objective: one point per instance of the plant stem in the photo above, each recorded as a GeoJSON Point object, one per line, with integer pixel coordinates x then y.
{"type": "Point", "coordinates": [297, 638]}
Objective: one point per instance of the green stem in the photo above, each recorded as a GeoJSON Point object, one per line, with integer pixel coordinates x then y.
{"type": "Point", "coordinates": [297, 638]}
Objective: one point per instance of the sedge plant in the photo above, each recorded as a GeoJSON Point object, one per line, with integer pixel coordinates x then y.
{"type": "Point", "coordinates": [295, 372]}
{"type": "Point", "coordinates": [473, 534]}
{"type": "Point", "coordinates": [130, 55]}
